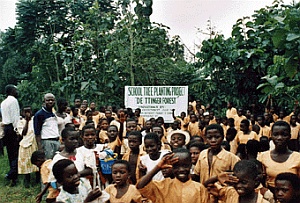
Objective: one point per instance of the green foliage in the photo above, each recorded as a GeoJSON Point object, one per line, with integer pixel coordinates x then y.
{"type": "Point", "coordinates": [89, 49]}
{"type": "Point", "coordinates": [260, 59]}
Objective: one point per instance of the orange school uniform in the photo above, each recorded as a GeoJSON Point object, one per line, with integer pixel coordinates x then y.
{"type": "Point", "coordinates": [221, 162]}
{"type": "Point", "coordinates": [273, 168]}
{"type": "Point", "coordinates": [173, 190]}
{"type": "Point", "coordinates": [132, 195]}
{"type": "Point", "coordinates": [193, 128]}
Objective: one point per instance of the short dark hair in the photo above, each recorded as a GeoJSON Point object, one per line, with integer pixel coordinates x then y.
{"type": "Point", "coordinates": [246, 166]}
{"type": "Point", "coordinates": [283, 124]}
{"type": "Point", "coordinates": [36, 156]}
{"type": "Point", "coordinates": [152, 136]}
{"type": "Point", "coordinates": [67, 132]}
{"type": "Point", "coordinates": [9, 89]}
{"type": "Point", "coordinates": [137, 134]}
{"type": "Point", "coordinates": [183, 151]}
{"type": "Point", "coordinates": [215, 127]}
{"type": "Point", "coordinates": [291, 177]}
{"type": "Point", "coordinates": [124, 162]}
{"type": "Point", "coordinates": [59, 167]}
{"type": "Point", "coordinates": [246, 122]}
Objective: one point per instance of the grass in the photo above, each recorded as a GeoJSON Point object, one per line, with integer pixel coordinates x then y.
{"type": "Point", "coordinates": [17, 194]}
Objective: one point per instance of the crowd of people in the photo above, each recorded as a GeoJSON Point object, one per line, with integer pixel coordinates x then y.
{"type": "Point", "coordinates": [84, 154]}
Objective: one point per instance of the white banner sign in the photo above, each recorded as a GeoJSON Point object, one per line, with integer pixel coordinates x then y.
{"type": "Point", "coordinates": [156, 101]}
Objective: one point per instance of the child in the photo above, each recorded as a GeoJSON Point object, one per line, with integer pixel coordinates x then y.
{"type": "Point", "coordinates": [90, 151]}
{"type": "Point", "coordinates": [178, 138]}
{"type": "Point", "coordinates": [134, 154]}
{"type": "Point", "coordinates": [160, 132]}
{"type": "Point", "coordinates": [114, 141]}
{"type": "Point", "coordinates": [195, 148]}
{"type": "Point", "coordinates": [215, 159]}
{"type": "Point", "coordinates": [74, 189]}
{"type": "Point", "coordinates": [193, 127]}
{"type": "Point", "coordinates": [27, 146]}
{"type": "Point", "coordinates": [103, 126]}
{"type": "Point", "coordinates": [244, 181]}
{"type": "Point", "coordinates": [70, 140]}
{"type": "Point", "coordinates": [244, 135]}
{"type": "Point", "coordinates": [153, 156]}
{"type": "Point", "coordinates": [181, 189]}
{"type": "Point", "coordinates": [131, 125]}
{"type": "Point", "coordinates": [121, 190]}
{"type": "Point", "coordinates": [287, 188]}
{"type": "Point", "coordinates": [38, 158]}
{"type": "Point", "coordinates": [264, 129]}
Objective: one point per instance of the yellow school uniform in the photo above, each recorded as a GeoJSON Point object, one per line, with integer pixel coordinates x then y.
{"type": "Point", "coordinates": [230, 113]}
{"type": "Point", "coordinates": [237, 121]}
{"type": "Point", "coordinates": [273, 168]}
{"type": "Point", "coordinates": [173, 190]}
{"type": "Point", "coordinates": [295, 131]}
{"type": "Point", "coordinates": [230, 195]}
{"type": "Point", "coordinates": [132, 194]}
{"type": "Point", "coordinates": [141, 121]}
{"type": "Point", "coordinates": [103, 136]}
{"type": "Point", "coordinates": [193, 128]}
{"type": "Point", "coordinates": [265, 131]}
{"type": "Point", "coordinates": [221, 162]}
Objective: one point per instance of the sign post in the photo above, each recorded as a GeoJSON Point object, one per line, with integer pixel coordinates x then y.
{"type": "Point", "coordinates": [156, 101]}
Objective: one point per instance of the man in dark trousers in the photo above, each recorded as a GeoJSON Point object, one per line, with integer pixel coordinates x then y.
{"type": "Point", "coordinates": [10, 117]}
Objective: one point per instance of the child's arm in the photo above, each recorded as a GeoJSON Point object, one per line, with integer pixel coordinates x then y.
{"type": "Point", "coordinates": [165, 161]}
{"type": "Point", "coordinates": [39, 197]}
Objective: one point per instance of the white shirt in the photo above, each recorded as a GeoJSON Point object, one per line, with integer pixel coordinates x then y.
{"type": "Point", "coordinates": [150, 164]}
{"type": "Point", "coordinates": [10, 111]}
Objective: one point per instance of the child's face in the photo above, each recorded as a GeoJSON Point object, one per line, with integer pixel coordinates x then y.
{"type": "Point", "coordinates": [71, 141]}
{"type": "Point", "coordinates": [112, 133]}
{"type": "Point", "coordinates": [104, 125]}
{"type": "Point", "coordinates": [177, 140]}
{"type": "Point", "coordinates": [246, 184]}
{"type": "Point", "coordinates": [120, 174]}
{"type": "Point", "coordinates": [71, 178]}
{"type": "Point", "coordinates": [214, 139]}
{"type": "Point", "coordinates": [148, 124]}
{"type": "Point", "coordinates": [193, 118]}
{"type": "Point", "coordinates": [108, 114]}
{"type": "Point", "coordinates": [130, 126]}
{"type": "Point", "coordinates": [158, 131]}
{"type": "Point", "coordinates": [181, 169]}
{"type": "Point", "coordinates": [260, 121]}
{"type": "Point", "coordinates": [195, 151]}
{"type": "Point", "coordinates": [280, 136]}
{"type": "Point", "coordinates": [152, 148]}
{"type": "Point", "coordinates": [89, 138]}
{"type": "Point", "coordinates": [133, 142]}
{"type": "Point", "coordinates": [284, 191]}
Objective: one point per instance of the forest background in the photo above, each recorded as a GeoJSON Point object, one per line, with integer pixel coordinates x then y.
{"type": "Point", "coordinates": [92, 48]}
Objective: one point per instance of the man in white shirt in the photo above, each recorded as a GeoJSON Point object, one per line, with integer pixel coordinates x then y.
{"type": "Point", "coordinates": [10, 117]}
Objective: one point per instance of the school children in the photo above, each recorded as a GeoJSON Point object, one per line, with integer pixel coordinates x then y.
{"type": "Point", "coordinates": [74, 189]}
{"type": "Point", "coordinates": [287, 188]}
{"type": "Point", "coordinates": [27, 146]}
{"type": "Point", "coordinates": [178, 138]}
{"type": "Point", "coordinates": [122, 190]}
{"type": "Point", "coordinates": [153, 156]}
{"type": "Point", "coordinates": [244, 180]}
{"type": "Point", "coordinates": [38, 158]}
{"type": "Point", "coordinates": [134, 154]}
{"type": "Point", "coordinates": [215, 159]}
{"type": "Point", "coordinates": [180, 189]}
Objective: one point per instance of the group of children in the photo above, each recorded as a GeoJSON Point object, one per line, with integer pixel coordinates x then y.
{"type": "Point", "coordinates": [199, 158]}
